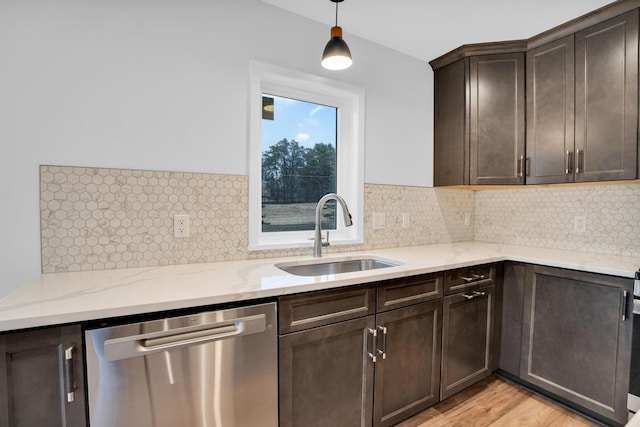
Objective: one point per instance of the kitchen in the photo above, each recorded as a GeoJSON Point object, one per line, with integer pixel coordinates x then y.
{"type": "Point", "coordinates": [94, 92]}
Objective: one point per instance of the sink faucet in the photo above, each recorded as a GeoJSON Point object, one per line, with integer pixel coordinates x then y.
{"type": "Point", "coordinates": [317, 240]}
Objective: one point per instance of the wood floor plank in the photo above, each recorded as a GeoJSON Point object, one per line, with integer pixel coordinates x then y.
{"type": "Point", "coordinates": [495, 402]}
{"type": "Point", "coordinates": [529, 413]}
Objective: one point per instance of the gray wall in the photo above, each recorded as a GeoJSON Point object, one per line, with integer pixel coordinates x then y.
{"type": "Point", "coordinates": [162, 85]}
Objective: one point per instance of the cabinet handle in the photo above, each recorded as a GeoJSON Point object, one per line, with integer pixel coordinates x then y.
{"type": "Point", "coordinates": [473, 278]}
{"type": "Point", "coordinates": [475, 294]}
{"type": "Point", "coordinates": [569, 170]}
{"type": "Point", "coordinates": [374, 345]}
{"type": "Point", "coordinates": [625, 306]}
{"type": "Point", "coordinates": [383, 352]}
{"type": "Point", "coordinates": [521, 166]}
{"type": "Point", "coordinates": [579, 161]}
{"type": "Point", "coordinates": [69, 377]}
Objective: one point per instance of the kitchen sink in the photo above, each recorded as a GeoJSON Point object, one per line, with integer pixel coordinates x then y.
{"type": "Point", "coordinates": [335, 266]}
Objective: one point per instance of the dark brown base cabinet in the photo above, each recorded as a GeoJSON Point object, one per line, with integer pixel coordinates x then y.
{"type": "Point", "coordinates": [333, 351]}
{"type": "Point", "coordinates": [35, 377]}
{"type": "Point", "coordinates": [407, 372]}
{"type": "Point", "coordinates": [326, 375]}
{"type": "Point", "coordinates": [467, 339]}
{"type": "Point", "coordinates": [575, 338]}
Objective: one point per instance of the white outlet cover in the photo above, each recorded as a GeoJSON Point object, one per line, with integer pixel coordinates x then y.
{"type": "Point", "coordinates": [181, 226]}
{"type": "Point", "coordinates": [580, 223]}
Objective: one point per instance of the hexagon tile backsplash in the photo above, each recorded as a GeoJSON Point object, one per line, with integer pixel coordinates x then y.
{"type": "Point", "coordinates": [544, 217]}
{"type": "Point", "coordinates": [97, 218]}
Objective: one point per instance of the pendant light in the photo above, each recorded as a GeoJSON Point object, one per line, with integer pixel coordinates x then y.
{"type": "Point", "coordinates": [336, 55]}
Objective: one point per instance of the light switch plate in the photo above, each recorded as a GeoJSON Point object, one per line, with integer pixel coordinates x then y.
{"type": "Point", "coordinates": [406, 220]}
{"type": "Point", "coordinates": [378, 221]}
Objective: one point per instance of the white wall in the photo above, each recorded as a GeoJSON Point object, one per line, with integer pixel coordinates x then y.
{"type": "Point", "coordinates": [162, 85]}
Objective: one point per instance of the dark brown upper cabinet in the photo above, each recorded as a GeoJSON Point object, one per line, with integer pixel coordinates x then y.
{"type": "Point", "coordinates": [496, 139]}
{"type": "Point", "coordinates": [606, 121]}
{"type": "Point", "coordinates": [550, 112]}
{"type": "Point", "coordinates": [582, 105]}
{"type": "Point", "coordinates": [451, 124]}
{"type": "Point", "coordinates": [479, 121]}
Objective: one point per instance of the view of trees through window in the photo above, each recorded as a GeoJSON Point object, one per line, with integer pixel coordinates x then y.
{"type": "Point", "coordinates": [298, 163]}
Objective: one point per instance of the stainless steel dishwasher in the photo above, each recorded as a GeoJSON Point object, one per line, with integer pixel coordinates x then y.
{"type": "Point", "coordinates": [210, 369]}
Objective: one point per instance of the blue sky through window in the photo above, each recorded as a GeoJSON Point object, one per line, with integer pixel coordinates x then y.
{"type": "Point", "coordinates": [305, 122]}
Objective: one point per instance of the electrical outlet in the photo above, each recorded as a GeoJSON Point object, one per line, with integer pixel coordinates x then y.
{"type": "Point", "coordinates": [180, 226]}
{"type": "Point", "coordinates": [467, 219]}
{"type": "Point", "coordinates": [378, 221]}
{"type": "Point", "coordinates": [579, 223]}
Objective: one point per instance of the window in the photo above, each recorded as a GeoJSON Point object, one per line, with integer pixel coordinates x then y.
{"type": "Point", "coordinates": [306, 140]}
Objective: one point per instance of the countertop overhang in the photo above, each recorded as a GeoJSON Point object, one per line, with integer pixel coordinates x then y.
{"type": "Point", "coordinates": [60, 298]}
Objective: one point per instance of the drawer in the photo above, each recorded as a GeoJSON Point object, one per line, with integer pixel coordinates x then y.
{"type": "Point", "coordinates": [304, 311]}
{"type": "Point", "coordinates": [469, 277]}
{"type": "Point", "coordinates": [398, 293]}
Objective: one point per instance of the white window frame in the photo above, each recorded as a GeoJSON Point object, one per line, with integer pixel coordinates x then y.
{"type": "Point", "coordinates": [350, 103]}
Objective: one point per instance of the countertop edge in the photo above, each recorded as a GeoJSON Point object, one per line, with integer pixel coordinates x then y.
{"type": "Point", "coordinates": [41, 304]}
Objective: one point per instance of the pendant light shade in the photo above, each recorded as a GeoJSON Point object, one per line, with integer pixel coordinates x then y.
{"type": "Point", "coordinates": [336, 55]}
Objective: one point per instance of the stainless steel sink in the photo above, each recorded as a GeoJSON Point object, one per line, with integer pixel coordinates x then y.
{"type": "Point", "coordinates": [345, 265]}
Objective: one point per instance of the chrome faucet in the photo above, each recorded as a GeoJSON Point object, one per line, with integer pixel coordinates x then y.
{"type": "Point", "coordinates": [317, 240]}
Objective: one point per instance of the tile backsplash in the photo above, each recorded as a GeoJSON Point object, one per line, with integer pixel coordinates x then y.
{"type": "Point", "coordinates": [97, 218]}
{"type": "Point", "coordinates": [544, 217]}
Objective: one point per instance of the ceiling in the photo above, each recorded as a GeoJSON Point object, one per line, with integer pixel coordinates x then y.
{"type": "Point", "coordinates": [426, 29]}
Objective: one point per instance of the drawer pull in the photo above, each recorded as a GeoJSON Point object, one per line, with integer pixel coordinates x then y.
{"type": "Point", "coordinates": [473, 295]}
{"type": "Point", "coordinates": [473, 278]}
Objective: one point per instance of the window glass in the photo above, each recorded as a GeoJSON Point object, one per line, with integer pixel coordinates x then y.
{"type": "Point", "coordinates": [306, 139]}
{"type": "Point", "coordinates": [299, 163]}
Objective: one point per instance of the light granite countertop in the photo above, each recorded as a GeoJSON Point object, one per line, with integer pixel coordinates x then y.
{"type": "Point", "coordinates": [59, 298]}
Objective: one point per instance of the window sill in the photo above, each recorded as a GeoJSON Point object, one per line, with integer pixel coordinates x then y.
{"type": "Point", "coordinates": [264, 246]}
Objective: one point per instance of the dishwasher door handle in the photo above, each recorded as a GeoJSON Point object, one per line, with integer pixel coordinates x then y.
{"type": "Point", "coordinates": [144, 344]}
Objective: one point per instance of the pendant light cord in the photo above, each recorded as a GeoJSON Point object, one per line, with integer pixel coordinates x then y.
{"type": "Point", "coordinates": [336, 14]}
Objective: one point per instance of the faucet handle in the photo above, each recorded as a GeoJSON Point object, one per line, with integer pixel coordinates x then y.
{"type": "Point", "coordinates": [325, 244]}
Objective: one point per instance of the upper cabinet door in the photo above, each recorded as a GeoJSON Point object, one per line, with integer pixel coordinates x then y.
{"type": "Point", "coordinates": [550, 106]}
{"type": "Point", "coordinates": [497, 117]}
{"type": "Point", "coordinates": [451, 130]}
{"type": "Point", "coordinates": [607, 100]}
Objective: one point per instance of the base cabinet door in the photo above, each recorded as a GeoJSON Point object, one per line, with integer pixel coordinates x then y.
{"type": "Point", "coordinates": [576, 338]}
{"type": "Point", "coordinates": [41, 379]}
{"type": "Point", "coordinates": [326, 375]}
{"type": "Point", "coordinates": [467, 339]}
{"type": "Point", "coordinates": [407, 369]}
{"type": "Point", "coordinates": [512, 304]}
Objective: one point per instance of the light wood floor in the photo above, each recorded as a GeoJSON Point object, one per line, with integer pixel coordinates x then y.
{"type": "Point", "coordinates": [495, 402]}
